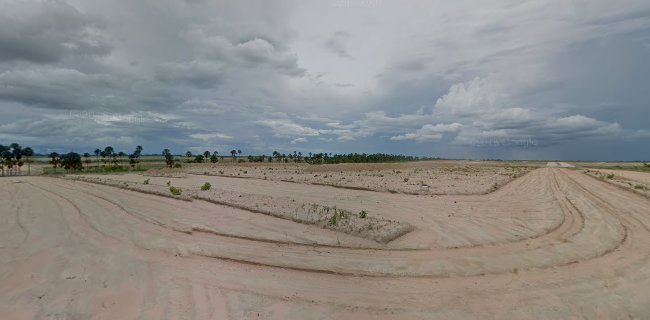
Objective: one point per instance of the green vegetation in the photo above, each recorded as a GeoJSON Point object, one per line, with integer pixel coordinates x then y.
{"type": "Point", "coordinates": [325, 158]}
{"type": "Point", "coordinates": [169, 158]}
{"type": "Point", "coordinates": [610, 176]}
{"type": "Point", "coordinates": [175, 191]}
{"type": "Point", "coordinates": [146, 181]}
{"type": "Point", "coordinates": [363, 214]}
{"type": "Point", "coordinates": [13, 157]}
{"type": "Point", "coordinates": [206, 186]}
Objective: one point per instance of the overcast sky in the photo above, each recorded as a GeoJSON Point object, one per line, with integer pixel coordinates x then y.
{"type": "Point", "coordinates": [509, 79]}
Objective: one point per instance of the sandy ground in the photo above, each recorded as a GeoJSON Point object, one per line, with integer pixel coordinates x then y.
{"type": "Point", "coordinates": [634, 181]}
{"type": "Point", "coordinates": [426, 177]}
{"type": "Point", "coordinates": [552, 244]}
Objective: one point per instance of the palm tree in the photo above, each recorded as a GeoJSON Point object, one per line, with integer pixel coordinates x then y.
{"type": "Point", "coordinates": [87, 157]}
{"type": "Point", "coordinates": [4, 155]}
{"type": "Point", "coordinates": [28, 152]}
{"type": "Point", "coordinates": [233, 153]}
{"type": "Point", "coordinates": [56, 160]}
{"type": "Point", "coordinates": [136, 154]}
{"type": "Point", "coordinates": [121, 155]}
{"type": "Point", "coordinates": [169, 158]}
{"type": "Point", "coordinates": [239, 152]}
{"type": "Point", "coordinates": [109, 152]}
{"type": "Point", "coordinates": [17, 155]}
{"type": "Point", "coordinates": [97, 153]}
{"type": "Point", "coordinates": [206, 154]}
{"type": "Point", "coordinates": [214, 158]}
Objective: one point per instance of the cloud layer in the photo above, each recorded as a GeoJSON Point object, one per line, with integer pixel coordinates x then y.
{"type": "Point", "coordinates": [495, 79]}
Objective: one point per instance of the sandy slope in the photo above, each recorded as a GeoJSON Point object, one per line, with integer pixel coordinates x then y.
{"type": "Point", "coordinates": [553, 244]}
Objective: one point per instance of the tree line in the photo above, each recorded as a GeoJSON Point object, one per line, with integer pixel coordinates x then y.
{"type": "Point", "coordinates": [13, 157]}
{"type": "Point", "coordinates": [111, 159]}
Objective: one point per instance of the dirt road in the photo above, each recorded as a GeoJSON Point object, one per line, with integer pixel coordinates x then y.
{"type": "Point", "coordinates": [552, 244]}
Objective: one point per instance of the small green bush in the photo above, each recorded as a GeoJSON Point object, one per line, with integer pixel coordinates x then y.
{"type": "Point", "coordinates": [175, 191]}
{"type": "Point", "coordinates": [639, 187]}
{"type": "Point", "coordinates": [146, 181]}
{"type": "Point", "coordinates": [363, 214]}
{"type": "Point", "coordinates": [333, 220]}
{"type": "Point", "coordinates": [178, 165]}
{"type": "Point", "coordinates": [206, 186]}
{"type": "Point", "coordinates": [169, 183]}
{"type": "Point", "coordinates": [610, 176]}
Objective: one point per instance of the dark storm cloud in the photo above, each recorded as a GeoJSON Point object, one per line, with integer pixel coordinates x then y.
{"type": "Point", "coordinates": [44, 32]}
{"type": "Point", "coordinates": [59, 88]}
{"type": "Point", "coordinates": [267, 75]}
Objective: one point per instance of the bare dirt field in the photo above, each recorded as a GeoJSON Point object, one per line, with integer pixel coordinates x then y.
{"type": "Point", "coordinates": [553, 243]}
{"type": "Point", "coordinates": [635, 181]}
{"type": "Point", "coordinates": [426, 177]}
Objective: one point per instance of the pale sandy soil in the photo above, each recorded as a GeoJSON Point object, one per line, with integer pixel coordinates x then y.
{"type": "Point", "coordinates": [358, 223]}
{"type": "Point", "coordinates": [638, 182]}
{"type": "Point", "coordinates": [429, 177]}
{"type": "Point", "coordinates": [553, 244]}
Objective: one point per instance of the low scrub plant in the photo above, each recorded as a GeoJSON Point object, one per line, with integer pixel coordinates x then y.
{"type": "Point", "coordinates": [146, 181]}
{"type": "Point", "coordinates": [363, 214]}
{"type": "Point", "coordinates": [206, 186]}
{"type": "Point", "coordinates": [610, 176]}
{"type": "Point", "coordinates": [175, 191]}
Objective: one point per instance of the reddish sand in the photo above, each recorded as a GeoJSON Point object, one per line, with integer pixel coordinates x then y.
{"type": "Point", "coordinates": [553, 244]}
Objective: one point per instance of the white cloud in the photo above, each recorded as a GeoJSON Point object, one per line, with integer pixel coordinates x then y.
{"type": "Point", "coordinates": [299, 140]}
{"type": "Point", "coordinates": [429, 132]}
{"type": "Point", "coordinates": [211, 136]}
{"type": "Point", "coordinates": [288, 129]}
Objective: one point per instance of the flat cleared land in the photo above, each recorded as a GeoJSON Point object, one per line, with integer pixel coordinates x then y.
{"type": "Point", "coordinates": [638, 182]}
{"type": "Point", "coordinates": [426, 178]}
{"type": "Point", "coordinates": [553, 243]}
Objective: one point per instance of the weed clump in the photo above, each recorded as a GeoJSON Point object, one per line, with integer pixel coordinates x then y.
{"type": "Point", "coordinates": [610, 176]}
{"type": "Point", "coordinates": [206, 186]}
{"type": "Point", "coordinates": [175, 191]}
{"type": "Point", "coordinates": [363, 214]}
{"type": "Point", "coordinates": [146, 181]}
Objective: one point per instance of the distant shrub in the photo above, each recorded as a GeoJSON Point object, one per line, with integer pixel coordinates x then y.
{"type": "Point", "coordinates": [610, 176]}
{"type": "Point", "coordinates": [206, 186]}
{"type": "Point", "coordinates": [639, 187]}
{"type": "Point", "coordinates": [175, 191]}
{"type": "Point", "coordinates": [169, 183]}
{"type": "Point", "coordinates": [178, 165]}
{"type": "Point", "coordinates": [363, 214]}
{"type": "Point", "coordinates": [406, 179]}
{"type": "Point", "coordinates": [146, 181]}
{"type": "Point", "coordinates": [332, 220]}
